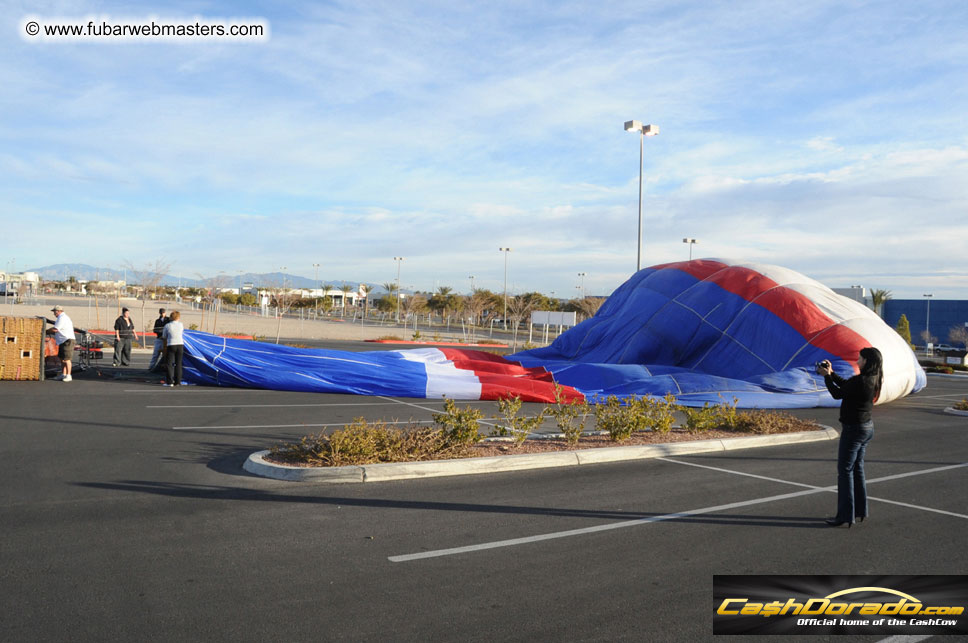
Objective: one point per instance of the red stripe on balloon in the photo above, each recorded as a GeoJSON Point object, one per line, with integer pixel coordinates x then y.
{"type": "Point", "coordinates": [794, 308]}
{"type": "Point", "coordinates": [503, 379]}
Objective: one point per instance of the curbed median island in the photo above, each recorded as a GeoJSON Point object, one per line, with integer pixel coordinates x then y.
{"type": "Point", "coordinates": [960, 408]}
{"type": "Point", "coordinates": [632, 428]}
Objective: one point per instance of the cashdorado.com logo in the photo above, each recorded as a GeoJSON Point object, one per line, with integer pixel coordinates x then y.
{"type": "Point", "coordinates": [840, 605]}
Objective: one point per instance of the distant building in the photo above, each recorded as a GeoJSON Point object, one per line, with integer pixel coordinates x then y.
{"type": "Point", "coordinates": [857, 293]}
{"type": "Point", "coordinates": [22, 284]}
{"type": "Point", "coordinates": [944, 314]}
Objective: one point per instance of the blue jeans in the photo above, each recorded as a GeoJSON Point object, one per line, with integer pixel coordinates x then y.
{"type": "Point", "coordinates": [156, 354]}
{"type": "Point", "coordinates": [851, 485]}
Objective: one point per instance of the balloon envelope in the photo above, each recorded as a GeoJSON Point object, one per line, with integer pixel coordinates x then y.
{"type": "Point", "coordinates": [704, 330]}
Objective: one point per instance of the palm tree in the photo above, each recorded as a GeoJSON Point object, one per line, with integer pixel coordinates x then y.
{"type": "Point", "coordinates": [345, 289]}
{"type": "Point", "coordinates": [878, 297]}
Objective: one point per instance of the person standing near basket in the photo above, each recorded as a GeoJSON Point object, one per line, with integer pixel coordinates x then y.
{"type": "Point", "coordinates": [123, 334]}
{"type": "Point", "coordinates": [158, 329]}
{"type": "Point", "coordinates": [857, 429]}
{"type": "Point", "coordinates": [63, 332]}
{"type": "Point", "coordinates": [174, 351]}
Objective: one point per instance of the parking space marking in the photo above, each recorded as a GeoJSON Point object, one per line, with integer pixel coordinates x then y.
{"type": "Point", "coordinates": [287, 426]}
{"type": "Point", "coordinates": [424, 408]}
{"type": "Point", "coordinates": [834, 489]}
{"type": "Point", "coordinates": [591, 530]}
{"type": "Point", "coordinates": [685, 514]}
{"type": "Point", "coordinates": [254, 406]}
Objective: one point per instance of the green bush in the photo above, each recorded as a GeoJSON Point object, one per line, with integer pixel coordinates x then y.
{"type": "Point", "coordinates": [699, 420]}
{"type": "Point", "coordinates": [459, 427]}
{"type": "Point", "coordinates": [519, 427]}
{"type": "Point", "coordinates": [622, 418]}
{"type": "Point", "coordinates": [565, 412]}
{"type": "Point", "coordinates": [362, 442]}
{"type": "Point", "coordinates": [615, 418]}
{"type": "Point", "coordinates": [659, 412]}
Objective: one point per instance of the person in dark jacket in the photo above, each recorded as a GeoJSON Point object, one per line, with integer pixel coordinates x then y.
{"type": "Point", "coordinates": [858, 395]}
{"type": "Point", "coordinates": [123, 334]}
{"type": "Point", "coordinates": [156, 361]}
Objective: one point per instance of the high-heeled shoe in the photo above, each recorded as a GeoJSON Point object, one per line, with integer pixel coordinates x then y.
{"type": "Point", "coordinates": [861, 518]}
{"type": "Point", "coordinates": [833, 522]}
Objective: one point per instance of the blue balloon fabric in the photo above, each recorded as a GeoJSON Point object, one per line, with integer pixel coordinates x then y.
{"type": "Point", "coordinates": [705, 331]}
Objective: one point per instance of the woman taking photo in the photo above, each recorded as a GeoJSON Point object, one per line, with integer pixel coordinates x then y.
{"type": "Point", "coordinates": [858, 394]}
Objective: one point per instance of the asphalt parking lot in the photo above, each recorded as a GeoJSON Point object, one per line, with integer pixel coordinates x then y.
{"type": "Point", "coordinates": [127, 516]}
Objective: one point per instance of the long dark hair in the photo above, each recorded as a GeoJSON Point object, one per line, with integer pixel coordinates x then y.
{"type": "Point", "coordinates": [873, 368]}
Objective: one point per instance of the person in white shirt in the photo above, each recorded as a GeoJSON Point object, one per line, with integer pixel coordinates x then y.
{"type": "Point", "coordinates": [64, 336]}
{"type": "Point", "coordinates": [174, 348]}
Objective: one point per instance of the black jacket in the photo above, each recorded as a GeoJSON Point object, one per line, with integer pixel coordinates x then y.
{"type": "Point", "coordinates": [857, 394]}
{"type": "Point", "coordinates": [160, 325]}
{"type": "Point", "coordinates": [125, 327]}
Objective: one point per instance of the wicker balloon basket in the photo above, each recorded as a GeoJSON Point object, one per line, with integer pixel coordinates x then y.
{"type": "Point", "coordinates": [22, 353]}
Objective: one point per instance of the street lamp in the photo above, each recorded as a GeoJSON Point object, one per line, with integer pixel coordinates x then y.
{"type": "Point", "coordinates": [471, 277]}
{"type": "Point", "coordinates": [399, 260]}
{"type": "Point", "coordinates": [691, 243]}
{"type": "Point", "coordinates": [643, 130]}
{"type": "Point", "coordinates": [316, 279]}
{"type": "Point", "coordinates": [927, 321]}
{"type": "Point", "coordinates": [582, 276]}
{"type": "Point", "coordinates": [505, 251]}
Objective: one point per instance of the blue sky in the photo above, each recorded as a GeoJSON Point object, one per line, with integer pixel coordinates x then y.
{"type": "Point", "coordinates": [827, 137]}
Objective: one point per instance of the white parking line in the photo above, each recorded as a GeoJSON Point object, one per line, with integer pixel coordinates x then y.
{"type": "Point", "coordinates": [834, 489]}
{"type": "Point", "coordinates": [591, 530]}
{"type": "Point", "coordinates": [685, 514]}
{"type": "Point", "coordinates": [254, 406]}
{"type": "Point", "coordinates": [287, 426]}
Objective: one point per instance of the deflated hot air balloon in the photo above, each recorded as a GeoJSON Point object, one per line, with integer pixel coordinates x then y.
{"type": "Point", "coordinates": [704, 330]}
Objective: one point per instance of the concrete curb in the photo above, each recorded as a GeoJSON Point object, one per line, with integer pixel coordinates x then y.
{"type": "Point", "coordinates": [953, 411]}
{"type": "Point", "coordinates": [257, 464]}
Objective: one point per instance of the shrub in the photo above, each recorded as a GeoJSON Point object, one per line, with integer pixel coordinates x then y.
{"type": "Point", "coordinates": [362, 442]}
{"type": "Point", "coordinates": [764, 422]}
{"type": "Point", "coordinates": [727, 415]}
{"type": "Point", "coordinates": [702, 419]}
{"type": "Point", "coordinates": [519, 427]}
{"type": "Point", "coordinates": [659, 412]}
{"type": "Point", "coordinates": [459, 427]}
{"type": "Point", "coordinates": [615, 417]}
{"type": "Point", "coordinates": [962, 405]}
{"type": "Point", "coordinates": [565, 412]}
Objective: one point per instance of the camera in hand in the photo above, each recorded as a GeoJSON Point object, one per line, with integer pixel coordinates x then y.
{"type": "Point", "coordinates": [821, 365]}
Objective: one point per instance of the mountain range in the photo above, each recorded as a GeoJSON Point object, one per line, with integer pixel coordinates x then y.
{"type": "Point", "coordinates": [84, 272]}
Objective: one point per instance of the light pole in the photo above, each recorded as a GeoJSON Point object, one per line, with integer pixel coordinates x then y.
{"type": "Point", "coordinates": [927, 320]}
{"type": "Point", "coordinates": [691, 243]}
{"type": "Point", "coordinates": [505, 318]}
{"type": "Point", "coordinates": [643, 130]}
{"type": "Point", "coordinates": [582, 276]}
{"type": "Point", "coordinates": [471, 277]}
{"type": "Point", "coordinates": [399, 260]}
{"type": "Point", "coordinates": [316, 279]}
